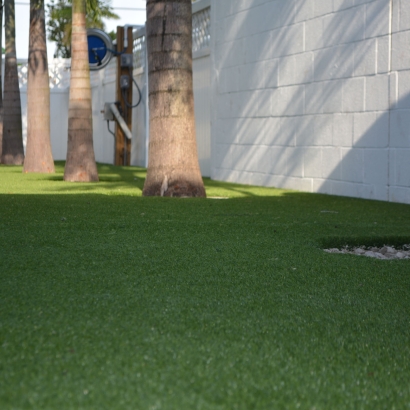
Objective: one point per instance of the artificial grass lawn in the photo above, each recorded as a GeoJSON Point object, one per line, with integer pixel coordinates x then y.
{"type": "Point", "coordinates": [114, 301]}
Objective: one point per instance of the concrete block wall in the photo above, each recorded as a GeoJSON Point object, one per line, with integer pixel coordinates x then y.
{"type": "Point", "coordinates": [313, 95]}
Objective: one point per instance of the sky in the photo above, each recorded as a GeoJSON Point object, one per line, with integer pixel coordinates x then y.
{"type": "Point", "coordinates": [124, 8]}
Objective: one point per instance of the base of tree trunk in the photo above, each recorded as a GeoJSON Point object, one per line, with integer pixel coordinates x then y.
{"type": "Point", "coordinates": [9, 159]}
{"type": "Point", "coordinates": [174, 188]}
{"type": "Point", "coordinates": [80, 173]}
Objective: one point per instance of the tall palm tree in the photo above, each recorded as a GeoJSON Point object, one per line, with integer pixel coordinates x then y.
{"type": "Point", "coordinates": [13, 151]}
{"type": "Point", "coordinates": [38, 149]}
{"type": "Point", "coordinates": [173, 167]}
{"type": "Point", "coordinates": [80, 164]}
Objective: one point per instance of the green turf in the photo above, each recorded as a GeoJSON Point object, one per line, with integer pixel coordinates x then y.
{"type": "Point", "coordinates": [109, 300]}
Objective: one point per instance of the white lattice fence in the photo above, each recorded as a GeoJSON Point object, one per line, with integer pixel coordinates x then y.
{"type": "Point", "coordinates": [58, 69]}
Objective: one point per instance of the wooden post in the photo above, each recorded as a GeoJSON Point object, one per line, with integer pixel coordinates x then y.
{"type": "Point", "coordinates": [122, 157]}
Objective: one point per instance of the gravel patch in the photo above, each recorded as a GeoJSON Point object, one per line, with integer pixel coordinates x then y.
{"type": "Point", "coordinates": [385, 252]}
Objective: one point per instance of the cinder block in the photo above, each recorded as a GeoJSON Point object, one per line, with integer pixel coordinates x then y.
{"type": "Point", "coordinates": [400, 129]}
{"type": "Point", "coordinates": [314, 98]}
{"type": "Point", "coordinates": [342, 130]}
{"type": "Point", "coordinates": [225, 130]}
{"type": "Point", "coordinates": [271, 74]}
{"type": "Point", "coordinates": [246, 131]}
{"type": "Point", "coordinates": [347, 189]}
{"type": "Point", "coordinates": [289, 126]}
{"type": "Point", "coordinates": [377, 93]}
{"type": "Point", "coordinates": [222, 9]}
{"type": "Point", "coordinates": [365, 57]}
{"type": "Point", "coordinates": [377, 18]}
{"type": "Point", "coordinates": [240, 157]}
{"type": "Point", "coordinates": [402, 168]}
{"type": "Point", "coordinates": [224, 106]}
{"type": "Point", "coordinates": [271, 16]}
{"type": "Point", "coordinates": [371, 130]}
{"type": "Point", "coordinates": [256, 47]}
{"type": "Point", "coordinates": [404, 11]}
{"type": "Point", "coordinates": [403, 89]}
{"type": "Point", "coordinates": [287, 101]}
{"type": "Point", "coordinates": [286, 41]}
{"type": "Point", "coordinates": [231, 54]}
{"type": "Point", "coordinates": [321, 7]}
{"type": "Point", "coordinates": [243, 104]}
{"type": "Point", "coordinates": [230, 29]}
{"type": "Point", "coordinates": [294, 166]}
{"type": "Point", "coordinates": [251, 131]}
{"type": "Point", "coordinates": [334, 62]}
{"type": "Point", "coordinates": [304, 10]}
{"type": "Point", "coordinates": [331, 163]}
{"type": "Point", "coordinates": [223, 156]}
{"type": "Point", "coordinates": [352, 165]}
{"type": "Point", "coordinates": [256, 74]}
{"type": "Point", "coordinates": [285, 11]}
{"type": "Point", "coordinates": [323, 134]}
{"type": "Point", "coordinates": [263, 100]}
{"type": "Point", "coordinates": [344, 26]}
{"type": "Point", "coordinates": [272, 131]}
{"type": "Point", "coordinates": [322, 186]}
{"type": "Point", "coordinates": [342, 4]}
{"type": "Point", "coordinates": [395, 15]}
{"type": "Point", "coordinates": [353, 94]}
{"type": "Point", "coordinates": [376, 166]}
{"type": "Point", "coordinates": [296, 69]}
{"type": "Point", "coordinates": [332, 96]}
{"type": "Point", "coordinates": [258, 159]}
{"type": "Point", "coordinates": [400, 47]}
{"type": "Point", "coordinates": [383, 54]}
{"type": "Point", "coordinates": [278, 157]}
{"type": "Point", "coordinates": [312, 162]}
{"type": "Point", "coordinates": [314, 34]}
{"type": "Point", "coordinates": [394, 90]}
{"type": "Point", "coordinates": [303, 130]}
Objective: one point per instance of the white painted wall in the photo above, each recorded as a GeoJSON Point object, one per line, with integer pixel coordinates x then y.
{"type": "Point", "coordinates": [313, 95]}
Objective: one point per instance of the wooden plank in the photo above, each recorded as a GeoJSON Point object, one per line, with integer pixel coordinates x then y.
{"type": "Point", "coordinates": [123, 156]}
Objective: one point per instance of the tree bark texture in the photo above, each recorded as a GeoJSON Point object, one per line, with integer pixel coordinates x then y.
{"type": "Point", "coordinates": [1, 82]}
{"type": "Point", "coordinates": [173, 167]}
{"type": "Point", "coordinates": [80, 164]}
{"type": "Point", "coordinates": [38, 148]}
{"type": "Point", "coordinates": [13, 150]}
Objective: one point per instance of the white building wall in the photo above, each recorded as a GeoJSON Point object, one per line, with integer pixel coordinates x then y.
{"type": "Point", "coordinates": [313, 95]}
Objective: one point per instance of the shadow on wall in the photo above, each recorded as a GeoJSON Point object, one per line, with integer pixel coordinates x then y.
{"type": "Point", "coordinates": [303, 99]}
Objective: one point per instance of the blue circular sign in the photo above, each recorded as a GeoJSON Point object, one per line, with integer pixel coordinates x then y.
{"type": "Point", "coordinates": [99, 48]}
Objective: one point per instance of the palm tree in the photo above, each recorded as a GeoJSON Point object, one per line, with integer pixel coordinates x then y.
{"type": "Point", "coordinates": [80, 164]}
{"type": "Point", "coordinates": [38, 149]}
{"type": "Point", "coordinates": [173, 167]}
{"type": "Point", "coordinates": [13, 151]}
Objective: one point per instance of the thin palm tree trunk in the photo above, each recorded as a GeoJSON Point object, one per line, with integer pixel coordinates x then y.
{"type": "Point", "coordinates": [38, 149]}
{"type": "Point", "coordinates": [13, 150]}
{"type": "Point", "coordinates": [80, 165]}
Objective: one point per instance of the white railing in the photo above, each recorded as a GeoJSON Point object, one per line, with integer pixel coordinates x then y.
{"type": "Point", "coordinates": [58, 71]}
{"type": "Point", "coordinates": [201, 32]}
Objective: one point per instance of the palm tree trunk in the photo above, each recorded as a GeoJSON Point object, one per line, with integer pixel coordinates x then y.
{"type": "Point", "coordinates": [80, 165]}
{"type": "Point", "coordinates": [1, 81]}
{"type": "Point", "coordinates": [173, 167]}
{"type": "Point", "coordinates": [38, 149]}
{"type": "Point", "coordinates": [13, 150]}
